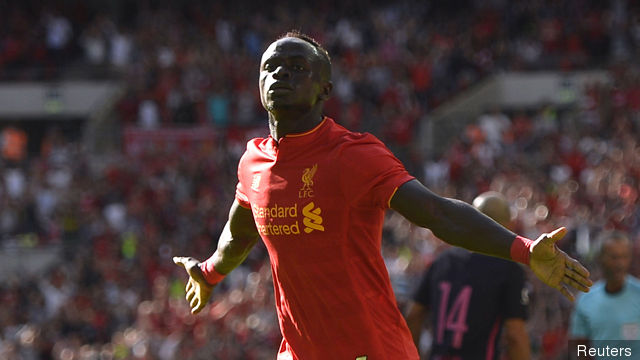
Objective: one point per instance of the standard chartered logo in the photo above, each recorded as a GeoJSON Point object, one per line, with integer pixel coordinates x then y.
{"type": "Point", "coordinates": [312, 219]}
{"type": "Point", "coordinates": [283, 220]}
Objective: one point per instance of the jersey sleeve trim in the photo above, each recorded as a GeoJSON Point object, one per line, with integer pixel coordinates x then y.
{"type": "Point", "coordinates": [243, 202]}
{"type": "Point", "coordinates": [391, 197]}
{"type": "Point", "coordinates": [409, 178]}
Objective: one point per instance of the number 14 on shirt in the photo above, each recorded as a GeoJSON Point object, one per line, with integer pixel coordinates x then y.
{"type": "Point", "coordinates": [454, 319]}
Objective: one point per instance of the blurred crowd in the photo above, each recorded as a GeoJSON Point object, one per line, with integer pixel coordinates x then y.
{"type": "Point", "coordinates": [116, 293]}
{"type": "Point", "coordinates": [196, 61]}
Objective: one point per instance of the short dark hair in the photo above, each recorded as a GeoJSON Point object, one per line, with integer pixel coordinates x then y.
{"type": "Point", "coordinates": [324, 54]}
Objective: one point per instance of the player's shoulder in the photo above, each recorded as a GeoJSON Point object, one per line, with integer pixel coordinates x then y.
{"type": "Point", "coordinates": [634, 283]}
{"type": "Point", "coordinates": [256, 150]}
{"type": "Point", "coordinates": [338, 134]}
{"type": "Point", "coordinates": [258, 147]}
{"type": "Point", "coordinates": [257, 143]}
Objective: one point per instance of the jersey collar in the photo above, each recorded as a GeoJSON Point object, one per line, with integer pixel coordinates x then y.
{"type": "Point", "coordinates": [293, 143]}
{"type": "Point", "coordinates": [315, 129]}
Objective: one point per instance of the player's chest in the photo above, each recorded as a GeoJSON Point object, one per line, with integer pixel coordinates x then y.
{"type": "Point", "coordinates": [624, 322]}
{"type": "Point", "coordinates": [298, 181]}
{"type": "Point", "coordinates": [296, 198]}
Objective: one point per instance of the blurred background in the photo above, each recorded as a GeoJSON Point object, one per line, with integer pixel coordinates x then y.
{"type": "Point", "coordinates": [121, 124]}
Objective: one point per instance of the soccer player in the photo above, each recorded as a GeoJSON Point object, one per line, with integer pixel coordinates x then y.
{"type": "Point", "coordinates": [316, 193]}
{"type": "Point", "coordinates": [471, 298]}
{"type": "Point", "coordinates": [611, 311]}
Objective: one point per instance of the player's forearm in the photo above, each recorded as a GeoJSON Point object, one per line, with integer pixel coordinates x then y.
{"type": "Point", "coordinates": [462, 225]}
{"type": "Point", "coordinates": [453, 221]}
{"type": "Point", "coordinates": [236, 241]}
{"type": "Point", "coordinates": [232, 250]}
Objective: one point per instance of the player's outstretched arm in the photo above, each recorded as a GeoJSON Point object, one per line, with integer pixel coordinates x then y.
{"type": "Point", "coordinates": [451, 220]}
{"type": "Point", "coordinates": [236, 241]}
{"type": "Point", "coordinates": [460, 224]}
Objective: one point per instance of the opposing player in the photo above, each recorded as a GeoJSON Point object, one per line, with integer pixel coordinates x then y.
{"type": "Point", "coordinates": [471, 298]}
{"type": "Point", "coordinates": [316, 194]}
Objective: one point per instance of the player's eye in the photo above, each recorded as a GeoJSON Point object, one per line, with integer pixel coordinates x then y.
{"type": "Point", "coordinates": [271, 66]}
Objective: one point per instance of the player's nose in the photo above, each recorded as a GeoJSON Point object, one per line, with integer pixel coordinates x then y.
{"type": "Point", "coordinates": [281, 72]}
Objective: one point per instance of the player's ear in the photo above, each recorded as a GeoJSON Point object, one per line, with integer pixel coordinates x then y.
{"type": "Point", "coordinates": [326, 90]}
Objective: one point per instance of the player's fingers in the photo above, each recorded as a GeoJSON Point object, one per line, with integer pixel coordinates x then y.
{"type": "Point", "coordinates": [584, 283]}
{"type": "Point", "coordinates": [565, 291]}
{"type": "Point", "coordinates": [188, 263]}
{"type": "Point", "coordinates": [573, 275]}
{"type": "Point", "coordinates": [180, 260]}
{"type": "Point", "coordinates": [193, 288]}
{"type": "Point", "coordinates": [576, 271]}
{"type": "Point", "coordinates": [555, 235]}
{"type": "Point", "coordinates": [193, 302]}
{"type": "Point", "coordinates": [190, 294]}
{"type": "Point", "coordinates": [574, 284]}
{"type": "Point", "coordinates": [575, 265]}
{"type": "Point", "coordinates": [199, 307]}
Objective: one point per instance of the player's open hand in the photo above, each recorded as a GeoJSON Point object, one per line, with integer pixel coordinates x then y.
{"type": "Point", "coordinates": [198, 289]}
{"type": "Point", "coordinates": [555, 268]}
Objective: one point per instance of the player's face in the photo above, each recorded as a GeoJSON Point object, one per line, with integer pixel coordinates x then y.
{"type": "Point", "coordinates": [290, 75]}
{"type": "Point", "coordinates": [616, 259]}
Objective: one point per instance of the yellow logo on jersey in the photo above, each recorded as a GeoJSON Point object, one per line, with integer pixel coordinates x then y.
{"type": "Point", "coordinates": [312, 219]}
{"type": "Point", "coordinates": [307, 182]}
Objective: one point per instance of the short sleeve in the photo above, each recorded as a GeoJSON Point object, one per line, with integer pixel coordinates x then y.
{"type": "Point", "coordinates": [241, 187]}
{"type": "Point", "coordinates": [579, 326]}
{"type": "Point", "coordinates": [516, 294]}
{"type": "Point", "coordinates": [241, 196]}
{"type": "Point", "coordinates": [370, 173]}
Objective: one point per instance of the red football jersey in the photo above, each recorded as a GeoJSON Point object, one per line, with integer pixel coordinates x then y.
{"type": "Point", "coordinates": [318, 200]}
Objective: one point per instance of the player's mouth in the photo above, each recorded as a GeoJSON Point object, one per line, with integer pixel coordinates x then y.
{"type": "Point", "coordinates": [279, 87]}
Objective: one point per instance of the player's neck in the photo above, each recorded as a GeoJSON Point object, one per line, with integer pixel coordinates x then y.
{"type": "Point", "coordinates": [284, 123]}
{"type": "Point", "coordinates": [614, 286]}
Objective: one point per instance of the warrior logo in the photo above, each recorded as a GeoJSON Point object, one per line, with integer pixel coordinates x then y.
{"type": "Point", "coordinates": [307, 182]}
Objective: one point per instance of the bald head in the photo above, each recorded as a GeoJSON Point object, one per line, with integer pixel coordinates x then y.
{"type": "Point", "coordinates": [615, 257]}
{"type": "Point", "coordinates": [495, 206]}
{"type": "Point", "coordinates": [613, 239]}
